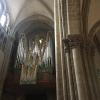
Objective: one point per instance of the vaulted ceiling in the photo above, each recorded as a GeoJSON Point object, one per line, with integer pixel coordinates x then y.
{"type": "Point", "coordinates": [22, 9]}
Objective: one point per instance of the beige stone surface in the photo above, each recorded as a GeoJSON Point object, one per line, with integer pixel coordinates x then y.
{"type": "Point", "coordinates": [1, 59]}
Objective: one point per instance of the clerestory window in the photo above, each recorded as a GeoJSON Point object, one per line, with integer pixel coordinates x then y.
{"type": "Point", "coordinates": [4, 16]}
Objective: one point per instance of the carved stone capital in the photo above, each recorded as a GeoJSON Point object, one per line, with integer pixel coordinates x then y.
{"type": "Point", "coordinates": [73, 41]}
{"type": "Point", "coordinates": [76, 40]}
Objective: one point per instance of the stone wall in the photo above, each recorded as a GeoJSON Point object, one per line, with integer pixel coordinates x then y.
{"type": "Point", "coordinates": [5, 48]}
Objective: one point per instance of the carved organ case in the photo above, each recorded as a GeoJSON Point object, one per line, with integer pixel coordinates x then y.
{"type": "Point", "coordinates": [35, 57]}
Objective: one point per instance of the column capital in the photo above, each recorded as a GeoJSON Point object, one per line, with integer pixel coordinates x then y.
{"type": "Point", "coordinates": [72, 41]}
{"type": "Point", "coordinates": [76, 40]}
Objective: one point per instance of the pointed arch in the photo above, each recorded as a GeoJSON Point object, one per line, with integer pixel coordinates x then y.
{"type": "Point", "coordinates": [94, 30]}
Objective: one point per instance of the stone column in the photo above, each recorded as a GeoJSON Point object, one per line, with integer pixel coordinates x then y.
{"type": "Point", "coordinates": [59, 84]}
{"type": "Point", "coordinates": [74, 17]}
{"type": "Point", "coordinates": [74, 29]}
{"type": "Point", "coordinates": [74, 80]}
{"type": "Point", "coordinates": [59, 53]}
{"type": "Point", "coordinates": [79, 48]}
{"type": "Point", "coordinates": [74, 38]}
{"type": "Point", "coordinates": [78, 86]}
{"type": "Point", "coordinates": [81, 79]}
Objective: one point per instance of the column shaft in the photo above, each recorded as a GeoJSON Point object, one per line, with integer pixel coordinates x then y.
{"type": "Point", "coordinates": [58, 51]}
{"type": "Point", "coordinates": [80, 75]}
{"type": "Point", "coordinates": [74, 17]}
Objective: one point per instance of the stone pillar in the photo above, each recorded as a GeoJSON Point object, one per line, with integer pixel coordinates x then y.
{"type": "Point", "coordinates": [79, 48]}
{"type": "Point", "coordinates": [60, 76]}
{"type": "Point", "coordinates": [77, 78]}
{"type": "Point", "coordinates": [74, 17]}
{"type": "Point", "coordinates": [82, 80]}
{"type": "Point", "coordinates": [78, 86]}
{"type": "Point", "coordinates": [80, 75]}
{"type": "Point", "coordinates": [59, 84]}
{"type": "Point", "coordinates": [73, 78]}
{"type": "Point", "coordinates": [74, 37]}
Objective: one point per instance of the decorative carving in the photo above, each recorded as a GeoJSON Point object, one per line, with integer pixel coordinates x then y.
{"type": "Point", "coordinates": [76, 40]}
{"type": "Point", "coordinates": [35, 56]}
{"type": "Point", "coordinates": [73, 41]}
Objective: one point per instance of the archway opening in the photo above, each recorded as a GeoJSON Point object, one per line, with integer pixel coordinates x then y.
{"type": "Point", "coordinates": [32, 69]}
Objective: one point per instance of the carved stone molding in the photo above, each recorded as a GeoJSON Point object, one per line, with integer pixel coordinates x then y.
{"type": "Point", "coordinates": [72, 41]}
{"type": "Point", "coordinates": [76, 40]}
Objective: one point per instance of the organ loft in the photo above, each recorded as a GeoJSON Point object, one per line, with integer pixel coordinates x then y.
{"type": "Point", "coordinates": [49, 50]}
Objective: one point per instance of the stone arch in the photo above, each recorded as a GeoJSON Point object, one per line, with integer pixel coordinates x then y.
{"type": "Point", "coordinates": [94, 38]}
{"type": "Point", "coordinates": [33, 19]}
{"type": "Point", "coordinates": [26, 24]}
{"type": "Point", "coordinates": [94, 30]}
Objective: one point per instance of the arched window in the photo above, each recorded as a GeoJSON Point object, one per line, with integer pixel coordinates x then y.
{"type": "Point", "coordinates": [1, 8]}
{"type": "Point", "coordinates": [4, 16]}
